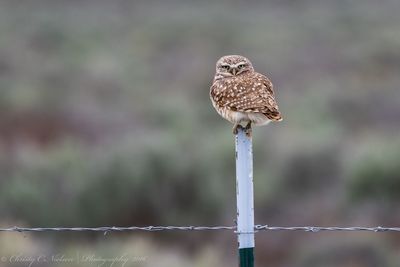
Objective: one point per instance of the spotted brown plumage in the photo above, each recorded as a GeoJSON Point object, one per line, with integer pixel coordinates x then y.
{"type": "Point", "coordinates": [241, 95]}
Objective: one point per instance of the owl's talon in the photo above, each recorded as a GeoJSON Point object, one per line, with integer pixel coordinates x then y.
{"type": "Point", "coordinates": [248, 130]}
{"type": "Point", "coordinates": [235, 128]}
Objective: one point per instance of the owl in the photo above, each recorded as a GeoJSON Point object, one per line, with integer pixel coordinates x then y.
{"type": "Point", "coordinates": [241, 95]}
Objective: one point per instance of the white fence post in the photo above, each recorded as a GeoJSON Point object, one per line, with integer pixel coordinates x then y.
{"type": "Point", "coordinates": [245, 198]}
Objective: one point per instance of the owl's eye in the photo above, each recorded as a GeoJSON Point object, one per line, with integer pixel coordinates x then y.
{"type": "Point", "coordinates": [225, 67]}
{"type": "Point", "coordinates": [241, 66]}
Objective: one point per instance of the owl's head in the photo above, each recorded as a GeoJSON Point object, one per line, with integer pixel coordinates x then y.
{"type": "Point", "coordinates": [233, 65]}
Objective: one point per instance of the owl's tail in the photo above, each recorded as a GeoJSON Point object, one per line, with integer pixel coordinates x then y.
{"type": "Point", "coordinates": [274, 116]}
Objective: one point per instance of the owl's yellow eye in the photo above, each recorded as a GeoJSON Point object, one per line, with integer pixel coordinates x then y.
{"type": "Point", "coordinates": [225, 67]}
{"type": "Point", "coordinates": [241, 66]}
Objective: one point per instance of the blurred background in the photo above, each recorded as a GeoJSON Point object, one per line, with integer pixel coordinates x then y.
{"type": "Point", "coordinates": [105, 120]}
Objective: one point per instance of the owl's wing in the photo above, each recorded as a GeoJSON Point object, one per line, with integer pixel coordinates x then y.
{"type": "Point", "coordinates": [250, 95]}
{"type": "Point", "coordinates": [263, 99]}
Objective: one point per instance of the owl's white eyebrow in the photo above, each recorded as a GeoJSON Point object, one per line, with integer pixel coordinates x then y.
{"type": "Point", "coordinates": [240, 63]}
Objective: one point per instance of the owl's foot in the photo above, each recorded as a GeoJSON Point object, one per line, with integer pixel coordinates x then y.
{"type": "Point", "coordinates": [236, 127]}
{"type": "Point", "coordinates": [248, 129]}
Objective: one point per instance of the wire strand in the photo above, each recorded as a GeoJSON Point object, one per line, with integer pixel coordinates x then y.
{"type": "Point", "coordinates": [107, 229]}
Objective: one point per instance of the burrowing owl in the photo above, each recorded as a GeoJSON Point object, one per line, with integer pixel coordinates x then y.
{"type": "Point", "coordinates": [241, 95]}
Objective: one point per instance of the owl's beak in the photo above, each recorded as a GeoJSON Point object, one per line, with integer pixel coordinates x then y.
{"type": "Point", "coordinates": [233, 71]}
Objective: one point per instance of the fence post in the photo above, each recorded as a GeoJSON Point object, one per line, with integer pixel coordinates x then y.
{"type": "Point", "coordinates": [245, 198]}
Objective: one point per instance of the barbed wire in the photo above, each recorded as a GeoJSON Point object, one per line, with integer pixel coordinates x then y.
{"type": "Point", "coordinates": [107, 229]}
